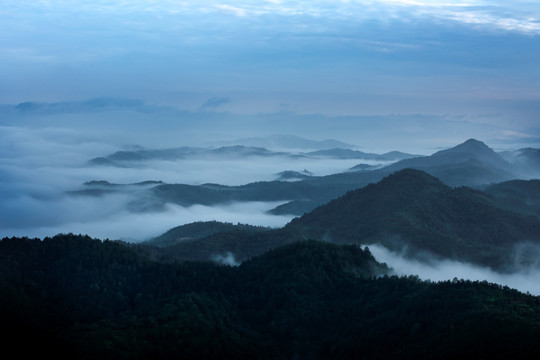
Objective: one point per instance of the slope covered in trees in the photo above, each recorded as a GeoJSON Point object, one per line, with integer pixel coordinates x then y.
{"type": "Point", "coordinates": [73, 296]}
{"type": "Point", "coordinates": [409, 209]}
{"type": "Point", "coordinates": [415, 210]}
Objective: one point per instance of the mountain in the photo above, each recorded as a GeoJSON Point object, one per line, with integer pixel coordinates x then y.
{"type": "Point", "coordinates": [292, 142]}
{"type": "Point", "coordinates": [409, 211]}
{"type": "Point", "coordinates": [415, 211]}
{"type": "Point", "coordinates": [124, 158]}
{"type": "Point", "coordinates": [471, 163]}
{"type": "Point", "coordinates": [340, 153]}
{"type": "Point", "coordinates": [363, 167]}
{"type": "Point", "coordinates": [199, 230]}
{"type": "Point", "coordinates": [519, 195]}
{"type": "Point", "coordinates": [100, 104]}
{"type": "Point", "coordinates": [75, 297]}
{"type": "Point", "coordinates": [289, 175]}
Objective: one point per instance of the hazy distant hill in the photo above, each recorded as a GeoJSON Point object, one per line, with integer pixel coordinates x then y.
{"type": "Point", "coordinates": [413, 210]}
{"type": "Point", "coordinates": [292, 142]}
{"type": "Point", "coordinates": [124, 158]}
{"type": "Point", "coordinates": [100, 104]}
{"type": "Point", "coordinates": [289, 175]}
{"type": "Point", "coordinates": [471, 163]}
{"type": "Point", "coordinates": [340, 153]}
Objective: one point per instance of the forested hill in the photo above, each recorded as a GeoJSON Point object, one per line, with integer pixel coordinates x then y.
{"type": "Point", "coordinates": [76, 297]}
{"type": "Point", "coordinates": [415, 210]}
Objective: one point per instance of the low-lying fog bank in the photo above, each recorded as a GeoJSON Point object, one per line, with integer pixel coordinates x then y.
{"type": "Point", "coordinates": [525, 280]}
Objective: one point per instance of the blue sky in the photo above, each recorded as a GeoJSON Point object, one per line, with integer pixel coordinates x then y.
{"type": "Point", "coordinates": [470, 59]}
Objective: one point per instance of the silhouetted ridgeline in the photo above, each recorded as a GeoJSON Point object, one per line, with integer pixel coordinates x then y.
{"type": "Point", "coordinates": [91, 299]}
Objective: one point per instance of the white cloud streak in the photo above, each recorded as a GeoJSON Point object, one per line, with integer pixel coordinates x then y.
{"type": "Point", "coordinates": [525, 280]}
{"type": "Point", "coordinates": [520, 16]}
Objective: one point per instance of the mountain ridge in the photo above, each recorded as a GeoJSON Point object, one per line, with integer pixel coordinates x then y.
{"type": "Point", "coordinates": [414, 209]}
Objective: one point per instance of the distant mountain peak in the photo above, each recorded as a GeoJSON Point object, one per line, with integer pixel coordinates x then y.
{"type": "Point", "coordinates": [473, 144]}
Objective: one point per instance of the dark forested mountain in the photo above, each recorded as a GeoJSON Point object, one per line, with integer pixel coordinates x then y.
{"type": "Point", "coordinates": [409, 209]}
{"type": "Point", "coordinates": [198, 230]}
{"type": "Point", "coordinates": [519, 195]}
{"type": "Point", "coordinates": [76, 297]}
{"type": "Point", "coordinates": [414, 210]}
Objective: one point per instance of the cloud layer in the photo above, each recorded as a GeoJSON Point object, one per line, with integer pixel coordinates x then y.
{"type": "Point", "coordinates": [525, 280]}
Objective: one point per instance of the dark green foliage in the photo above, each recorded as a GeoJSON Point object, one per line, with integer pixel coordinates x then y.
{"type": "Point", "coordinates": [413, 209]}
{"type": "Point", "coordinates": [242, 241]}
{"type": "Point", "coordinates": [75, 297]}
{"type": "Point", "coordinates": [518, 195]}
{"type": "Point", "coordinates": [198, 230]}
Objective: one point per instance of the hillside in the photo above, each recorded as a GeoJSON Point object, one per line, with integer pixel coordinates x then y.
{"type": "Point", "coordinates": [413, 210]}
{"type": "Point", "coordinates": [199, 230]}
{"type": "Point", "coordinates": [471, 163]}
{"type": "Point", "coordinates": [76, 297]}
{"type": "Point", "coordinates": [519, 195]}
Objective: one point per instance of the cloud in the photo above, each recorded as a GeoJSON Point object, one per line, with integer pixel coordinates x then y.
{"type": "Point", "coordinates": [235, 10]}
{"type": "Point", "coordinates": [524, 280]}
{"type": "Point", "coordinates": [214, 103]}
{"type": "Point", "coordinates": [106, 217]}
{"type": "Point", "coordinates": [226, 259]}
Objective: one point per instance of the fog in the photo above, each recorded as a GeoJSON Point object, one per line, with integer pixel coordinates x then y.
{"type": "Point", "coordinates": [108, 219]}
{"type": "Point", "coordinates": [38, 166]}
{"type": "Point", "coordinates": [524, 280]}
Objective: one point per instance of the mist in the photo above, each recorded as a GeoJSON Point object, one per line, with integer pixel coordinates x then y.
{"type": "Point", "coordinates": [39, 167]}
{"type": "Point", "coordinates": [107, 218]}
{"type": "Point", "coordinates": [524, 279]}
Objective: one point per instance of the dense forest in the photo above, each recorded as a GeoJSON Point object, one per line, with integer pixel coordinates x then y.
{"type": "Point", "coordinates": [75, 296]}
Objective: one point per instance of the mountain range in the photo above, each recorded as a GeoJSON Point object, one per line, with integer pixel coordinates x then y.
{"type": "Point", "coordinates": [471, 163]}
{"type": "Point", "coordinates": [126, 158]}
{"type": "Point", "coordinates": [409, 212]}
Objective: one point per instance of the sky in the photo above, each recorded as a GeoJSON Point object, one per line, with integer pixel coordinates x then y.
{"type": "Point", "coordinates": [475, 59]}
